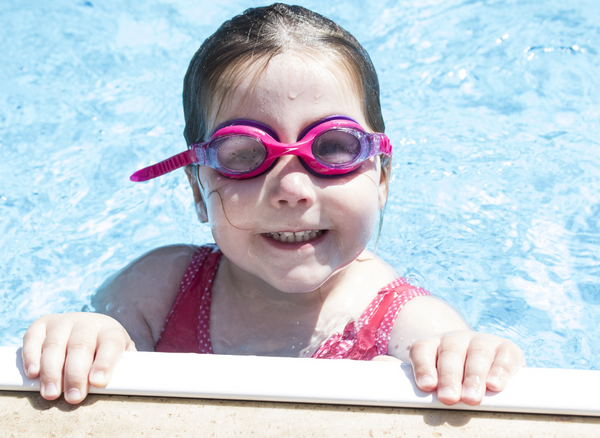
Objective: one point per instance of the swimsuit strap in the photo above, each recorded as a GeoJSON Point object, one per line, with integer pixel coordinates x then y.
{"type": "Point", "coordinates": [394, 297]}
{"type": "Point", "coordinates": [369, 336]}
{"type": "Point", "coordinates": [186, 329]}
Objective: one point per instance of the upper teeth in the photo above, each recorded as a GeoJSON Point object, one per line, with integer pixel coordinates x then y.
{"type": "Point", "coordinates": [300, 236]}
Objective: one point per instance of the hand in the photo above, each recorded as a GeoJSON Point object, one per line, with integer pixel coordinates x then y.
{"type": "Point", "coordinates": [463, 364]}
{"type": "Point", "coordinates": [71, 351]}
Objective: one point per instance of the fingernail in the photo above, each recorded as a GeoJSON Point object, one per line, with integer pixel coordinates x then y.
{"type": "Point", "coordinates": [31, 370]}
{"type": "Point", "coordinates": [426, 380]}
{"type": "Point", "coordinates": [50, 390]}
{"type": "Point", "coordinates": [73, 394]}
{"type": "Point", "coordinates": [447, 392]}
{"type": "Point", "coordinates": [494, 380]}
{"type": "Point", "coordinates": [98, 377]}
{"type": "Point", "coordinates": [470, 392]}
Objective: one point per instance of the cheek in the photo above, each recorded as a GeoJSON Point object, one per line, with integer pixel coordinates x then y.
{"type": "Point", "coordinates": [356, 205]}
{"type": "Point", "coordinates": [231, 203]}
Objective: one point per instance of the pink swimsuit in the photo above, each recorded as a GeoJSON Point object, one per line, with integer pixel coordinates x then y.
{"type": "Point", "coordinates": [187, 330]}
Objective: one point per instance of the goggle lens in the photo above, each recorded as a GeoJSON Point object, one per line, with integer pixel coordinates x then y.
{"type": "Point", "coordinates": [336, 148]}
{"type": "Point", "coordinates": [239, 153]}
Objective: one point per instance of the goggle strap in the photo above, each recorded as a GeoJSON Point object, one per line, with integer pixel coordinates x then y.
{"type": "Point", "coordinates": [381, 144]}
{"type": "Point", "coordinates": [170, 164]}
{"type": "Point", "coordinates": [385, 146]}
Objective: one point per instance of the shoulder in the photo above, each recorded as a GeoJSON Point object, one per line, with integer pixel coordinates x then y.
{"type": "Point", "coordinates": [358, 286]}
{"type": "Point", "coordinates": [160, 267]}
{"type": "Point", "coordinates": [380, 272]}
{"type": "Point", "coordinates": [141, 295]}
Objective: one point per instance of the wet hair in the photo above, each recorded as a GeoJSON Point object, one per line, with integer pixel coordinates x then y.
{"type": "Point", "coordinates": [256, 36]}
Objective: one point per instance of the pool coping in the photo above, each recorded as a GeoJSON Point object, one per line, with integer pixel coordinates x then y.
{"type": "Point", "coordinates": [272, 379]}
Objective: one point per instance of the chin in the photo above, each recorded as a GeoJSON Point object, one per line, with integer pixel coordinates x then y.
{"type": "Point", "coordinates": [295, 285]}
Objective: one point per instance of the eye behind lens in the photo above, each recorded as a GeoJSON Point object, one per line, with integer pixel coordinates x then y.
{"type": "Point", "coordinates": [337, 148]}
{"type": "Point", "coordinates": [239, 153]}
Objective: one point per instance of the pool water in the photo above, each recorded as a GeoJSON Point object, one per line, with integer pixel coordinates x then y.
{"type": "Point", "coordinates": [492, 106]}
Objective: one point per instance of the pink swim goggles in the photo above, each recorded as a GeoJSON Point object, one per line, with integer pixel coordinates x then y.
{"type": "Point", "coordinates": [241, 149]}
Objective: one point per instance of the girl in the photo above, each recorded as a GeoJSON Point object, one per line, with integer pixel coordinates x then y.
{"type": "Point", "coordinates": [289, 165]}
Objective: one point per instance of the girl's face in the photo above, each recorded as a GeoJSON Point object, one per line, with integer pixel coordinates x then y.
{"type": "Point", "coordinates": [334, 217]}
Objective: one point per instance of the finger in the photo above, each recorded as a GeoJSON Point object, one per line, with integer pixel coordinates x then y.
{"type": "Point", "coordinates": [509, 358]}
{"type": "Point", "coordinates": [80, 355]}
{"type": "Point", "coordinates": [450, 365]}
{"type": "Point", "coordinates": [32, 348]}
{"type": "Point", "coordinates": [51, 363]}
{"type": "Point", "coordinates": [423, 356]}
{"type": "Point", "coordinates": [111, 344]}
{"type": "Point", "coordinates": [130, 345]}
{"type": "Point", "coordinates": [480, 356]}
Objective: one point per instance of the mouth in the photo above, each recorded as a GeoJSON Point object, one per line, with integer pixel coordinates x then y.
{"type": "Point", "coordinates": [298, 237]}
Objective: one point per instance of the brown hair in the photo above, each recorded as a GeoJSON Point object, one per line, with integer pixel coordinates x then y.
{"type": "Point", "coordinates": [257, 35]}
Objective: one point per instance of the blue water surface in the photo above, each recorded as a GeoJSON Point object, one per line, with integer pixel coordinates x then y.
{"type": "Point", "coordinates": [492, 106]}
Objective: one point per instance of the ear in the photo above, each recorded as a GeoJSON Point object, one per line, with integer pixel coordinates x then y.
{"type": "Point", "coordinates": [198, 199]}
{"type": "Point", "coordinates": [384, 182]}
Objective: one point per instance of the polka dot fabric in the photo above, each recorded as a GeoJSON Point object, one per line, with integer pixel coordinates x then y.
{"type": "Point", "coordinates": [369, 336]}
{"type": "Point", "coordinates": [187, 328]}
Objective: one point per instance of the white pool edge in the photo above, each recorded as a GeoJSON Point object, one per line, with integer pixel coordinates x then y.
{"type": "Point", "coordinates": [385, 384]}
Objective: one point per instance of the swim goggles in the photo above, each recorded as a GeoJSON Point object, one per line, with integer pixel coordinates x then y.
{"type": "Point", "coordinates": [240, 149]}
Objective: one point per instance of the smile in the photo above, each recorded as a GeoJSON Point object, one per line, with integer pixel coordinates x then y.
{"type": "Point", "coordinates": [300, 236]}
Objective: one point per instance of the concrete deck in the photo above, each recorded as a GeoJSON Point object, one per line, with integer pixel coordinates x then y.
{"type": "Point", "coordinates": [26, 414]}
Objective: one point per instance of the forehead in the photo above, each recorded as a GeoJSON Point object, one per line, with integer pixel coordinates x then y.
{"type": "Point", "coordinates": [289, 88]}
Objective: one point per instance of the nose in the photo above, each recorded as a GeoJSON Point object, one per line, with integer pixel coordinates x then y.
{"type": "Point", "coordinates": [290, 184]}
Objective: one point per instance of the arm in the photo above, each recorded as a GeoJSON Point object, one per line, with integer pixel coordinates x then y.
{"type": "Point", "coordinates": [448, 355]}
{"type": "Point", "coordinates": [74, 350]}
{"type": "Point", "coordinates": [141, 295]}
